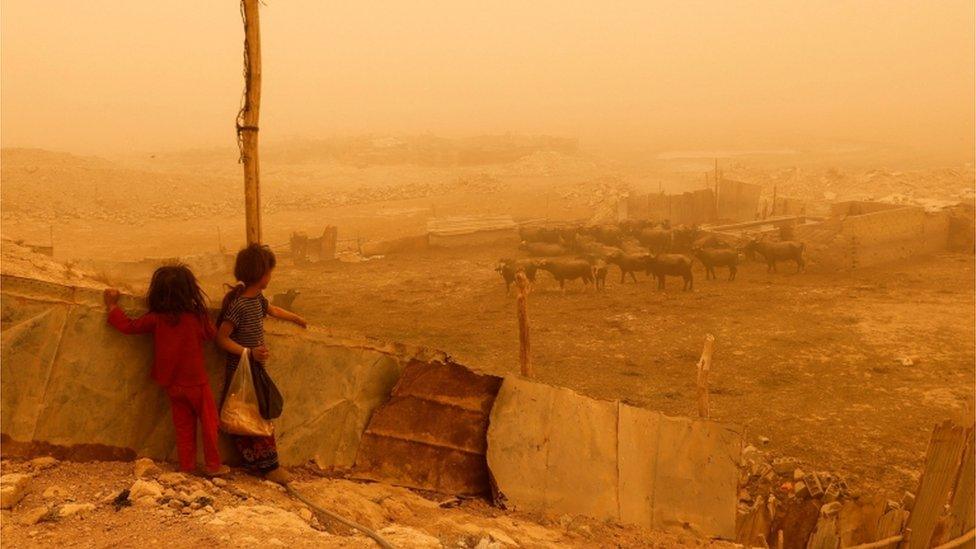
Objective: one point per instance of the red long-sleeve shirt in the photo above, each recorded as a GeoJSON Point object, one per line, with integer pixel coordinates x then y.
{"type": "Point", "coordinates": [178, 348]}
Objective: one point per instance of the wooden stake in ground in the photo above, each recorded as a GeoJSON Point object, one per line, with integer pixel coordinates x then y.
{"type": "Point", "coordinates": [247, 119]}
{"type": "Point", "coordinates": [525, 359]}
{"type": "Point", "coordinates": [704, 365]}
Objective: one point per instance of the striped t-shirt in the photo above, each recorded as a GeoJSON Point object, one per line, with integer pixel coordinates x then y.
{"type": "Point", "coordinates": [247, 315]}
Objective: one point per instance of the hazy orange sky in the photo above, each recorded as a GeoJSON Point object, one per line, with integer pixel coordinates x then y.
{"type": "Point", "coordinates": [104, 76]}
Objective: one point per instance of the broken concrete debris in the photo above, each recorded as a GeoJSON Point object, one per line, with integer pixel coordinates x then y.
{"type": "Point", "coordinates": [783, 466]}
{"type": "Point", "coordinates": [813, 484]}
{"type": "Point", "coordinates": [144, 490]}
{"type": "Point", "coordinates": [813, 508]}
{"type": "Point", "coordinates": [42, 463]}
{"type": "Point", "coordinates": [830, 509]}
{"type": "Point", "coordinates": [145, 468]}
{"type": "Point", "coordinates": [12, 487]}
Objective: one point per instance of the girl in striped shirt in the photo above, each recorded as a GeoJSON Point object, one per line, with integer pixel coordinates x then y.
{"type": "Point", "coordinates": [240, 326]}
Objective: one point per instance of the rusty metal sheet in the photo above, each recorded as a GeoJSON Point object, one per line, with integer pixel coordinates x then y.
{"type": "Point", "coordinates": [432, 432]}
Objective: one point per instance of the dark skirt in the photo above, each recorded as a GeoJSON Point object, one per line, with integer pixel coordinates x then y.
{"type": "Point", "coordinates": [260, 453]}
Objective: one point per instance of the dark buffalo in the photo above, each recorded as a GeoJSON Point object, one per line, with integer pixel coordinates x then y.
{"type": "Point", "coordinates": [631, 245]}
{"type": "Point", "coordinates": [568, 236]}
{"type": "Point", "coordinates": [629, 264]}
{"type": "Point", "coordinates": [587, 245]}
{"type": "Point", "coordinates": [786, 250]}
{"type": "Point", "coordinates": [600, 273]}
{"type": "Point", "coordinates": [285, 300]}
{"type": "Point", "coordinates": [718, 257]}
{"type": "Point", "coordinates": [509, 267]}
{"type": "Point", "coordinates": [656, 240]}
{"type": "Point", "coordinates": [713, 241]}
{"type": "Point", "coordinates": [664, 265]}
{"type": "Point", "coordinates": [682, 238]}
{"type": "Point", "coordinates": [568, 269]}
{"type": "Point", "coordinates": [600, 269]}
{"type": "Point", "coordinates": [609, 235]}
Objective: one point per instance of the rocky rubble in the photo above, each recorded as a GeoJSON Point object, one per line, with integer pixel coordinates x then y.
{"type": "Point", "coordinates": [146, 503]}
{"type": "Point", "coordinates": [777, 490]}
{"type": "Point", "coordinates": [12, 488]}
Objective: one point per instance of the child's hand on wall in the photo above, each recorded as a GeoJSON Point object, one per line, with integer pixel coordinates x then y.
{"type": "Point", "coordinates": [300, 321]}
{"type": "Point", "coordinates": [111, 297]}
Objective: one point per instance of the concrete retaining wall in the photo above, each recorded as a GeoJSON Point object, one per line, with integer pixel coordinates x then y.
{"type": "Point", "coordinates": [885, 234]}
{"type": "Point", "coordinates": [550, 449]}
{"type": "Point", "coordinates": [73, 383]}
{"type": "Point", "coordinates": [889, 235]}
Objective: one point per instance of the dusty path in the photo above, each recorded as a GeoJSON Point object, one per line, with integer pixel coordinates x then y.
{"type": "Point", "coordinates": [811, 361]}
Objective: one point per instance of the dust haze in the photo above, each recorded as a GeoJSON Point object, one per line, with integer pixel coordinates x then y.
{"type": "Point", "coordinates": [548, 274]}
{"type": "Point", "coordinates": [101, 76]}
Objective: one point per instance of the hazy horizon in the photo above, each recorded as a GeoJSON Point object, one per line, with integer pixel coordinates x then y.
{"type": "Point", "coordinates": [103, 77]}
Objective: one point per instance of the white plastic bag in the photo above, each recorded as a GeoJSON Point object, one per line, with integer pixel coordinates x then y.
{"type": "Point", "coordinates": [240, 414]}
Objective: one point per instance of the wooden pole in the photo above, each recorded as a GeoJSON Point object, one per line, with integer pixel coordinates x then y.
{"type": "Point", "coordinates": [525, 360]}
{"type": "Point", "coordinates": [704, 365]}
{"type": "Point", "coordinates": [247, 120]}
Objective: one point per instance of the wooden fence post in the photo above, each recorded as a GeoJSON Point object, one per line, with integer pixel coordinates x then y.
{"type": "Point", "coordinates": [704, 365]}
{"type": "Point", "coordinates": [525, 360]}
{"type": "Point", "coordinates": [247, 120]}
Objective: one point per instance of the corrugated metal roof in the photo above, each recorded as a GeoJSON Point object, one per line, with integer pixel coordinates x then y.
{"type": "Point", "coordinates": [453, 226]}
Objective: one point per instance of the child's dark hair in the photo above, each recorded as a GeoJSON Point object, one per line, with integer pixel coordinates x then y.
{"type": "Point", "coordinates": [173, 291]}
{"type": "Point", "coordinates": [252, 263]}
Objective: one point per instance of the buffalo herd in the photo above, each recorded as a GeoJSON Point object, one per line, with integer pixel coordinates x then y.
{"type": "Point", "coordinates": [655, 249]}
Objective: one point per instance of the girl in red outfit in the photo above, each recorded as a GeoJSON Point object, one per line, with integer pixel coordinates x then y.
{"type": "Point", "coordinates": [180, 324]}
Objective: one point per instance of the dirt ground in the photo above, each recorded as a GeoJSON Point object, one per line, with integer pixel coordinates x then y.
{"type": "Point", "coordinates": [74, 505]}
{"type": "Point", "coordinates": [846, 372]}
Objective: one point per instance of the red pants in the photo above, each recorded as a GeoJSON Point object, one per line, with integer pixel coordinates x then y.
{"type": "Point", "coordinates": [188, 404]}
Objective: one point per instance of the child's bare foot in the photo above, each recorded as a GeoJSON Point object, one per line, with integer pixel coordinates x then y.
{"type": "Point", "coordinates": [221, 471]}
{"type": "Point", "coordinates": [278, 475]}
